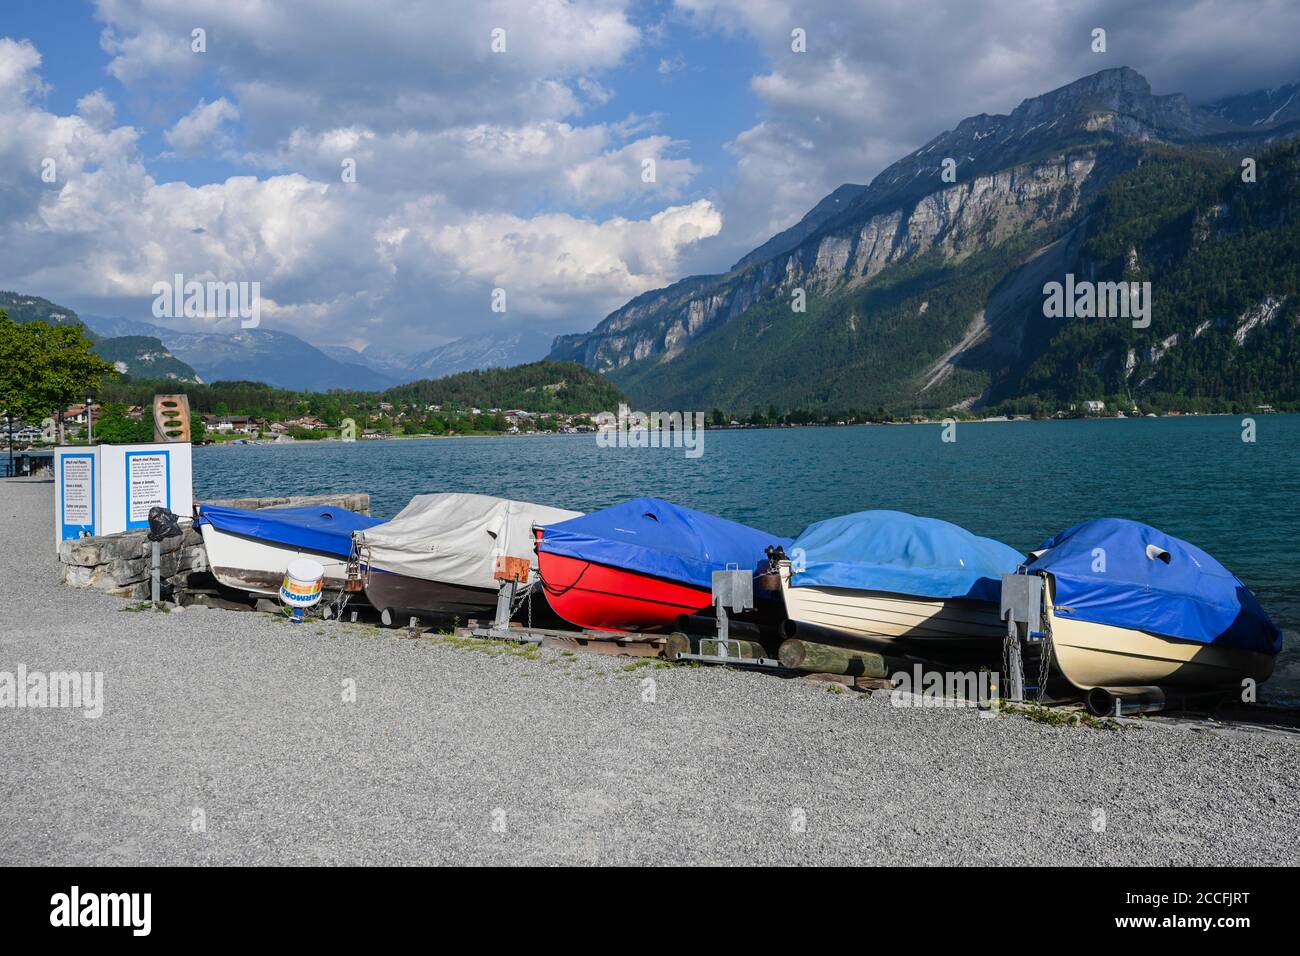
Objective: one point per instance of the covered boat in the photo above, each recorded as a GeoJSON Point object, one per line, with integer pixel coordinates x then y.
{"type": "Point", "coordinates": [891, 578]}
{"type": "Point", "coordinates": [437, 557]}
{"type": "Point", "coordinates": [1130, 606]}
{"type": "Point", "coordinates": [640, 565]}
{"type": "Point", "coordinates": [249, 549]}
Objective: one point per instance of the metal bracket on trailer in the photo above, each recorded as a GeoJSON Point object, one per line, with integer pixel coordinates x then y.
{"type": "Point", "coordinates": [733, 589]}
{"type": "Point", "coordinates": [1022, 609]}
{"type": "Point", "coordinates": [512, 575]}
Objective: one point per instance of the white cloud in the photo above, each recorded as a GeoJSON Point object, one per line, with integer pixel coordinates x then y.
{"type": "Point", "coordinates": [623, 173]}
{"type": "Point", "coordinates": [548, 264]}
{"type": "Point", "coordinates": [335, 261]}
{"type": "Point", "coordinates": [203, 128]}
{"type": "Point", "coordinates": [384, 64]}
{"type": "Point", "coordinates": [97, 110]}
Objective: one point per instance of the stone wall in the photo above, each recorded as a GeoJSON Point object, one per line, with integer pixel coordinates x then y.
{"type": "Point", "coordinates": [119, 563]}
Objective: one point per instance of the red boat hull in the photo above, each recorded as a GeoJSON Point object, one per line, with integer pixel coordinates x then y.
{"type": "Point", "coordinates": [605, 598]}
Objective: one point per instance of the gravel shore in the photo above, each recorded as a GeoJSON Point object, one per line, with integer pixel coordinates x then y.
{"type": "Point", "coordinates": [464, 754]}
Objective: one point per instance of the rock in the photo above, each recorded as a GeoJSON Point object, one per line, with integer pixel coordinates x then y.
{"type": "Point", "coordinates": [121, 563]}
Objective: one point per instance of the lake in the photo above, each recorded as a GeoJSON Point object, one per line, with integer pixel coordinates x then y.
{"type": "Point", "coordinates": [1019, 482]}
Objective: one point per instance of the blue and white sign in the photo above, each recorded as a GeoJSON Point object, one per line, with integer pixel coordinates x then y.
{"type": "Point", "coordinates": [148, 485]}
{"type": "Point", "coordinates": [76, 494]}
{"type": "Point", "coordinates": [108, 489]}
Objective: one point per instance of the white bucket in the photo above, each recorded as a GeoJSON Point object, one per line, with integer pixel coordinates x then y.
{"type": "Point", "coordinates": [302, 583]}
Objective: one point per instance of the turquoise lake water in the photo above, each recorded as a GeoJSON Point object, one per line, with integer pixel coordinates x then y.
{"type": "Point", "coordinates": [1019, 482]}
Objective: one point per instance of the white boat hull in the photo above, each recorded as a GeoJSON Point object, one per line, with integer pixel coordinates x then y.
{"type": "Point", "coordinates": [249, 564]}
{"type": "Point", "coordinates": [882, 618]}
{"type": "Point", "coordinates": [1092, 655]}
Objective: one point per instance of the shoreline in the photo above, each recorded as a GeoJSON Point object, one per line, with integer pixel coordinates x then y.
{"type": "Point", "coordinates": [241, 716]}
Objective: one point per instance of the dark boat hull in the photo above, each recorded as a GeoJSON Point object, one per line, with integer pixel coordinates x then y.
{"type": "Point", "coordinates": [405, 596]}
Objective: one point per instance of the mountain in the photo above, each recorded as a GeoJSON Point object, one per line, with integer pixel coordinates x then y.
{"type": "Point", "coordinates": [394, 368]}
{"type": "Point", "coordinates": [143, 356]}
{"type": "Point", "coordinates": [461, 355]}
{"type": "Point", "coordinates": [926, 292]}
{"type": "Point", "coordinates": [1260, 109]}
{"type": "Point", "coordinates": [260, 355]}
{"type": "Point", "coordinates": [32, 308]}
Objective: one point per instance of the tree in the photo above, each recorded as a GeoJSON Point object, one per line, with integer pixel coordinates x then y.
{"type": "Point", "coordinates": [44, 367]}
{"type": "Point", "coordinates": [114, 428]}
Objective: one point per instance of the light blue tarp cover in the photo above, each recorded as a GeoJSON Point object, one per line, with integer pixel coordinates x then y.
{"type": "Point", "coordinates": [1191, 596]}
{"type": "Point", "coordinates": [662, 539]}
{"type": "Point", "coordinates": [900, 553]}
{"type": "Point", "coordinates": [319, 528]}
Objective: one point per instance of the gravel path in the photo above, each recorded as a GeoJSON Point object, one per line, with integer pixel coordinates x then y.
{"type": "Point", "coordinates": [457, 754]}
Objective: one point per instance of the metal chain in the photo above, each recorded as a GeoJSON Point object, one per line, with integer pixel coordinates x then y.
{"type": "Point", "coordinates": [1006, 662]}
{"type": "Point", "coordinates": [1045, 651]}
{"type": "Point", "coordinates": [340, 602]}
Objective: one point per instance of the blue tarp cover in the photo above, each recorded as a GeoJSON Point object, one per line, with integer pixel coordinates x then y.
{"type": "Point", "coordinates": [900, 553]}
{"type": "Point", "coordinates": [1191, 596]}
{"type": "Point", "coordinates": [662, 539]}
{"type": "Point", "coordinates": [319, 528]}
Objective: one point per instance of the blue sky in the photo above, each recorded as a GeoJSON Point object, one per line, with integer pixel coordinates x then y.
{"type": "Point", "coordinates": [662, 79]}
{"type": "Point", "coordinates": [518, 171]}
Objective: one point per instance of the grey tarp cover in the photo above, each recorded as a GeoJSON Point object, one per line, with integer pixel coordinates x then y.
{"type": "Point", "coordinates": [455, 537]}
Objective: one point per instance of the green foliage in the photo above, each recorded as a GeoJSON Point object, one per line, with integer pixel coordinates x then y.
{"type": "Point", "coordinates": [46, 367]}
{"type": "Point", "coordinates": [563, 387]}
{"type": "Point", "coordinates": [114, 428]}
{"type": "Point", "coordinates": [545, 386]}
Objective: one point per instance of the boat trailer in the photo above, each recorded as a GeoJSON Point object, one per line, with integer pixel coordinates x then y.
{"type": "Point", "coordinates": [733, 590]}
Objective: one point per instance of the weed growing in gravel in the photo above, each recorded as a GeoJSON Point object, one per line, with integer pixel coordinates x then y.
{"type": "Point", "coordinates": [143, 606]}
{"type": "Point", "coordinates": [1056, 717]}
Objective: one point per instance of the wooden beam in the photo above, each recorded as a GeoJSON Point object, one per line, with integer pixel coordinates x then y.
{"type": "Point", "coordinates": [801, 655]}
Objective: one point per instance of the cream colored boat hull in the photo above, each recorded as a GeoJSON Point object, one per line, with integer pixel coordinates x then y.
{"type": "Point", "coordinates": [258, 567]}
{"type": "Point", "coordinates": [1099, 655]}
{"type": "Point", "coordinates": [878, 617]}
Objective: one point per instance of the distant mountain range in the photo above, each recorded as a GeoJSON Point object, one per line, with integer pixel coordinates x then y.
{"type": "Point", "coordinates": [926, 291]}
{"type": "Point", "coordinates": [286, 361]}
{"type": "Point", "coordinates": [461, 355]}
{"type": "Point", "coordinates": [151, 350]}
{"type": "Point", "coordinates": [255, 355]}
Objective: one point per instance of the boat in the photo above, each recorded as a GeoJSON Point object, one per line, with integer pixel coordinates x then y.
{"type": "Point", "coordinates": [1129, 606]}
{"type": "Point", "coordinates": [249, 549]}
{"type": "Point", "coordinates": [437, 557]}
{"type": "Point", "coordinates": [895, 580]}
{"type": "Point", "coordinates": [642, 564]}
